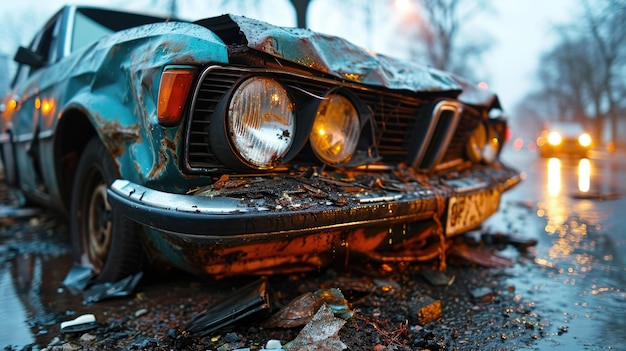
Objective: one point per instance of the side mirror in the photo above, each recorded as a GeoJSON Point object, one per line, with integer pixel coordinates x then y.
{"type": "Point", "coordinates": [28, 57]}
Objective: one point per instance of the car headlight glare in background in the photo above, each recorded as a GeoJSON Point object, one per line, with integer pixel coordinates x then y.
{"type": "Point", "coordinates": [336, 129]}
{"type": "Point", "coordinates": [261, 122]}
{"type": "Point", "coordinates": [554, 138]}
{"type": "Point", "coordinates": [584, 140]}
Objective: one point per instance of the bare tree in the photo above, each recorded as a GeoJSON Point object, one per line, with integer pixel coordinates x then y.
{"type": "Point", "coordinates": [583, 77]}
{"type": "Point", "coordinates": [604, 23]}
{"type": "Point", "coordinates": [438, 33]}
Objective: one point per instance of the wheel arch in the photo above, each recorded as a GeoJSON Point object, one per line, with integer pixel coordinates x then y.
{"type": "Point", "coordinates": [73, 132]}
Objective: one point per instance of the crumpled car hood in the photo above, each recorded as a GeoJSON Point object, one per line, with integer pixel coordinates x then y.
{"type": "Point", "coordinates": [335, 56]}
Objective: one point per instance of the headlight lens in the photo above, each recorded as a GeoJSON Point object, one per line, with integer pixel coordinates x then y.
{"type": "Point", "coordinates": [261, 122]}
{"type": "Point", "coordinates": [584, 140]}
{"type": "Point", "coordinates": [335, 132]}
{"type": "Point", "coordinates": [483, 144]}
{"type": "Point", "coordinates": [554, 138]}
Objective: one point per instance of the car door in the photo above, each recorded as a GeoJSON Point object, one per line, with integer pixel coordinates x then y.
{"type": "Point", "coordinates": [35, 112]}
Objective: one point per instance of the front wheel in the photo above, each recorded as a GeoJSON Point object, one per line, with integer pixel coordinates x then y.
{"type": "Point", "coordinates": [102, 238]}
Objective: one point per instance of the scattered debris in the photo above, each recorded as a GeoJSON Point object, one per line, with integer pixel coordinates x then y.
{"type": "Point", "coordinates": [482, 295]}
{"type": "Point", "coordinates": [78, 278]}
{"type": "Point", "coordinates": [436, 278]}
{"type": "Point", "coordinates": [102, 291]}
{"type": "Point", "coordinates": [273, 345]}
{"type": "Point", "coordinates": [301, 310]}
{"type": "Point", "coordinates": [424, 309]}
{"type": "Point", "coordinates": [17, 212]}
{"type": "Point", "coordinates": [250, 299]}
{"type": "Point", "coordinates": [481, 257]}
{"type": "Point", "coordinates": [594, 195]}
{"type": "Point", "coordinates": [321, 333]}
{"type": "Point", "coordinates": [500, 241]}
{"type": "Point", "coordinates": [527, 204]}
{"type": "Point", "coordinates": [80, 324]}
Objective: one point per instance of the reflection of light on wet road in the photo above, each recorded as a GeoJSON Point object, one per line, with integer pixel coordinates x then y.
{"type": "Point", "coordinates": [13, 330]}
{"type": "Point", "coordinates": [584, 175]}
{"type": "Point", "coordinates": [554, 176]}
{"type": "Point", "coordinates": [553, 208]}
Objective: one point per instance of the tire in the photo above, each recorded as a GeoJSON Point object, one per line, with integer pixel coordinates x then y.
{"type": "Point", "coordinates": [102, 239]}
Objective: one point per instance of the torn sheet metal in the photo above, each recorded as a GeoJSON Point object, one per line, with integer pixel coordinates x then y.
{"type": "Point", "coordinates": [247, 301]}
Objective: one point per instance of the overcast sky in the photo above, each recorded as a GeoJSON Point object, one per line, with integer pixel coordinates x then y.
{"type": "Point", "coordinates": [521, 29]}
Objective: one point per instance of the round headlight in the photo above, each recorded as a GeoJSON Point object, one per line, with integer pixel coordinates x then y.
{"type": "Point", "coordinates": [483, 144]}
{"type": "Point", "coordinates": [261, 122]}
{"type": "Point", "coordinates": [584, 139]}
{"type": "Point", "coordinates": [554, 138]}
{"type": "Point", "coordinates": [336, 128]}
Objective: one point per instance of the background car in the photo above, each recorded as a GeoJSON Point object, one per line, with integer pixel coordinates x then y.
{"type": "Point", "coordinates": [564, 138]}
{"type": "Point", "coordinates": [230, 146]}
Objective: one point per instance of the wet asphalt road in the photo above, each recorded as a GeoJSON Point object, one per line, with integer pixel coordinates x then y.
{"type": "Point", "coordinates": [575, 281]}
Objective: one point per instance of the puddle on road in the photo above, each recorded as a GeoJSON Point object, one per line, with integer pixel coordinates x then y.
{"type": "Point", "coordinates": [578, 278]}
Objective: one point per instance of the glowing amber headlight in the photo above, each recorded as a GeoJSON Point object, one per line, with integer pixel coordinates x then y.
{"type": "Point", "coordinates": [554, 138]}
{"type": "Point", "coordinates": [335, 132]}
{"type": "Point", "coordinates": [584, 139]}
{"type": "Point", "coordinates": [483, 144]}
{"type": "Point", "coordinates": [261, 122]}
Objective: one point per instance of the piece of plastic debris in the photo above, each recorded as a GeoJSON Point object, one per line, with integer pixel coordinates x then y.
{"type": "Point", "coordinates": [500, 240]}
{"type": "Point", "coordinates": [249, 300]}
{"type": "Point", "coordinates": [102, 291]}
{"type": "Point", "coordinates": [592, 195]}
{"type": "Point", "coordinates": [436, 278]}
{"type": "Point", "coordinates": [301, 310]}
{"type": "Point", "coordinates": [15, 212]}
{"type": "Point", "coordinates": [273, 344]}
{"type": "Point", "coordinates": [423, 309]}
{"type": "Point", "coordinates": [80, 324]}
{"type": "Point", "coordinates": [321, 333]}
{"type": "Point", "coordinates": [481, 257]}
{"type": "Point", "coordinates": [482, 295]}
{"type": "Point", "coordinates": [140, 312]}
{"type": "Point", "coordinates": [78, 278]}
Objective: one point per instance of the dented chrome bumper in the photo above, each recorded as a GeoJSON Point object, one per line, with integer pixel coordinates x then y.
{"type": "Point", "coordinates": [286, 206]}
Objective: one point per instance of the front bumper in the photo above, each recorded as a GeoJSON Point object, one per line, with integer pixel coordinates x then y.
{"type": "Point", "coordinates": [256, 209]}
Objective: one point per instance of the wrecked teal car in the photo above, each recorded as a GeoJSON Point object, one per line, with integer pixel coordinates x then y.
{"type": "Point", "coordinates": [230, 146]}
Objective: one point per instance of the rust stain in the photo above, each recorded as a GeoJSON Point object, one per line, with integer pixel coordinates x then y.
{"type": "Point", "coordinates": [115, 136]}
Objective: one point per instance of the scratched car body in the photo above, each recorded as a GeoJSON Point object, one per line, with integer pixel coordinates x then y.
{"type": "Point", "coordinates": [230, 146]}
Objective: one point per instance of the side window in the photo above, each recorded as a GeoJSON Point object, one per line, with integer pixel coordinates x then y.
{"type": "Point", "coordinates": [47, 46]}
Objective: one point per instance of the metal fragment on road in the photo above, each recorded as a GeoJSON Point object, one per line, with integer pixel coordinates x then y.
{"type": "Point", "coordinates": [424, 309]}
{"type": "Point", "coordinates": [436, 278]}
{"type": "Point", "coordinates": [321, 333]}
{"type": "Point", "coordinates": [249, 300]}
{"type": "Point", "coordinates": [302, 309]}
{"type": "Point", "coordinates": [102, 291]}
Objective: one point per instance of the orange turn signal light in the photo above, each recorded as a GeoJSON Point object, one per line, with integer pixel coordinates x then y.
{"type": "Point", "coordinates": [173, 92]}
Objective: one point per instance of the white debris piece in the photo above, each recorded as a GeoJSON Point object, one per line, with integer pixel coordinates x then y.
{"type": "Point", "coordinates": [273, 344]}
{"type": "Point", "coordinates": [75, 324]}
{"type": "Point", "coordinates": [320, 333]}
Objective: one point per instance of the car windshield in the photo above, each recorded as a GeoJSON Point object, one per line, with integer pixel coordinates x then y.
{"type": "Point", "coordinates": [91, 24]}
{"type": "Point", "coordinates": [567, 128]}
